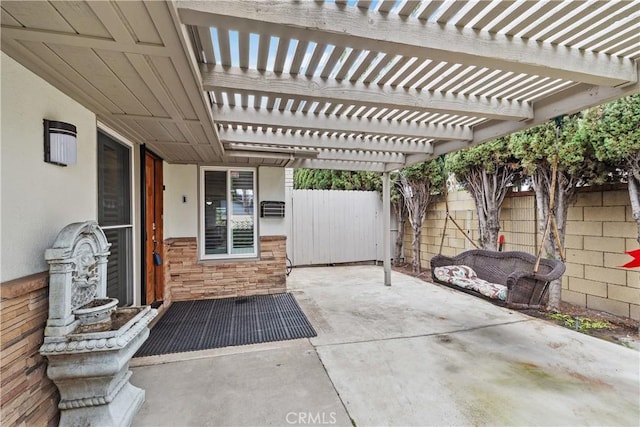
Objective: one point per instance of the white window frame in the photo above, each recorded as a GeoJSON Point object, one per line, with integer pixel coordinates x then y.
{"type": "Point", "coordinates": [201, 206]}
{"type": "Point", "coordinates": [132, 281]}
{"type": "Point", "coordinates": [135, 218]}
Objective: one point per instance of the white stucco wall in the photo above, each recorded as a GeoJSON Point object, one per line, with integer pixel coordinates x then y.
{"type": "Point", "coordinates": [38, 198]}
{"type": "Point", "coordinates": [180, 218]}
{"type": "Point", "coordinates": [271, 187]}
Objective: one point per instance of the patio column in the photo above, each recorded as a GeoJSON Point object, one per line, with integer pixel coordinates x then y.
{"type": "Point", "coordinates": [386, 227]}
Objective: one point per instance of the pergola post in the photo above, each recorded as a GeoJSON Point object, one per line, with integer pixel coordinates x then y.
{"type": "Point", "coordinates": [386, 227]}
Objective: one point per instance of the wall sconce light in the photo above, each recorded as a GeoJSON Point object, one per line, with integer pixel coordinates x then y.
{"type": "Point", "coordinates": [60, 145]}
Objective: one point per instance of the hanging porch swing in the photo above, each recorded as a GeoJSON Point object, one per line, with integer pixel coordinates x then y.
{"type": "Point", "coordinates": [512, 278]}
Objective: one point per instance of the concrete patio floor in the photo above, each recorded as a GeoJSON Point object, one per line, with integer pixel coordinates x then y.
{"type": "Point", "coordinates": [412, 354]}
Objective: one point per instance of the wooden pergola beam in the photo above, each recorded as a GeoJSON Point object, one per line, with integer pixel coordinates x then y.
{"type": "Point", "coordinates": [322, 154]}
{"type": "Point", "coordinates": [219, 78]}
{"type": "Point", "coordinates": [337, 165]}
{"type": "Point", "coordinates": [287, 120]}
{"type": "Point", "coordinates": [321, 141]}
{"type": "Point", "coordinates": [410, 37]}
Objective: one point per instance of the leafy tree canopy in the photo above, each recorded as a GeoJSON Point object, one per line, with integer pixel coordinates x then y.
{"type": "Point", "coordinates": [431, 171]}
{"type": "Point", "coordinates": [614, 131]}
{"type": "Point", "coordinates": [488, 156]}
{"type": "Point", "coordinates": [536, 148]}
{"type": "Point", "coordinates": [323, 179]}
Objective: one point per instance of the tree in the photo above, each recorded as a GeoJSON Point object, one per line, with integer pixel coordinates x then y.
{"type": "Point", "coordinates": [576, 166]}
{"type": "Point", "coordinates": [323, 179]}
{"type": "Point", "coordinates": [399, 208]}
{"type": "Point", "coordinates": [417, 184]}
{"type": "Point", "coordinates": [486, 171]}
{"type": "Point", "coordinates": [613, 130]}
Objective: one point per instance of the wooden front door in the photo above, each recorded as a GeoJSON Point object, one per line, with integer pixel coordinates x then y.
{"type": "Point", "coordinates": [153, 241]}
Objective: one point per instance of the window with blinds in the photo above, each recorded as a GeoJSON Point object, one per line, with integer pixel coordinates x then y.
{"type": "Point", "coordinates": [114, 215]}
{"type": "Point", "coordinates": [228, 213]}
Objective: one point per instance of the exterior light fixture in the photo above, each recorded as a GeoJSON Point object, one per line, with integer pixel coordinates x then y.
{"type": "Point", "coordinates": [60, 144]}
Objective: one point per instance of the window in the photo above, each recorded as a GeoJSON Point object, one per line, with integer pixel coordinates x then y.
{"type": "Point", "coordinates": [114, 215]}
{"type": "Point", "coordinates": [227, 213]}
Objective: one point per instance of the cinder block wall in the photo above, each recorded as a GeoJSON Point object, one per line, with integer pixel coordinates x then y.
{"type": "Point", "coordinates": [462, 209]}
{"type": "Point", "coordinates": [600, 229]}
{"type": "Point", "coordinates": [188, 278]}
{"type": "Point", "coordinates": [28, 397]}
{"type": "Point", "coordinates": [519, 222]}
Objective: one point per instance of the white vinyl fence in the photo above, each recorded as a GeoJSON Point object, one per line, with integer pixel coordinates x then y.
{"type": "Point", "coordinates": [331, 227]}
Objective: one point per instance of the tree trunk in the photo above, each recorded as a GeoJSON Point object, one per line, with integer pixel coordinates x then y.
{"type": "Point", "coordinates": [565, 194]}
{"type": "Point", "coordinates": [400, 211]}
{"type": "Point", "coordinates": [488, 191]}
{"type": "Point", "coordinates": [482, 218]}
{"type": "Point", "coordinates": [634, 196]}
{"type": "Point", "coordinates": [399, 243]}
{"type": "Point", "coordinates": [493, 228]}
{"type": "Point", "coordinates": [416, 195]}
{"type": "Point", "coordinates": [417, 233]}
{"type": "Point", "coordinates": [415, 218]}
{"type": "Point", "coordinates": [493, 197]}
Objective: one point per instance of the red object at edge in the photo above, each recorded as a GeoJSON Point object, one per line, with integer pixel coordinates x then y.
{"type": "Point", "coordinates": [636, 261]}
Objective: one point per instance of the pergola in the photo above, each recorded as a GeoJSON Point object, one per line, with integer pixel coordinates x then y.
{"type": "Point", "coordinates": [351, 85]}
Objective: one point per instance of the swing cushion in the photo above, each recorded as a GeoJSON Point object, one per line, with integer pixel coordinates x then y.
{"type": "Point", "coordinates": [449, 272]}
{"type": "Point", "coordinates": [464, 277]}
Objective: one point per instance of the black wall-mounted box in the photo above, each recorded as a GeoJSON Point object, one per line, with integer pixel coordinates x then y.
{"type": "Point", "coordinates": [270, 209]}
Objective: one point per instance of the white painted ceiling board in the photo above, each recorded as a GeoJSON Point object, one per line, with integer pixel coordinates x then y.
{"type": "Point", "coordinates": [53, 60]}
{"type": "Point", "coordinates": [119, 63]}
{"type": "Point", "coordinates": [164, 68]}
{"type": "Point", "coordinates": [136, 16]}
{"type": "Point", "coordinates": [41, 15]}
{"type": "Point", "coordinates": [7, 19]}
{"type": "Point", "coordinates": [174, 132]}
{"type": "Point", "coordinates": [81, 18]}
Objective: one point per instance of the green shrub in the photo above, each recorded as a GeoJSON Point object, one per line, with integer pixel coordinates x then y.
{"type": "Point", "coordinates": [581, 324]}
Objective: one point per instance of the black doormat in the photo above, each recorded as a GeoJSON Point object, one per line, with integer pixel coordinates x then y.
{"type": "Point", "coordinates": [214, 323]}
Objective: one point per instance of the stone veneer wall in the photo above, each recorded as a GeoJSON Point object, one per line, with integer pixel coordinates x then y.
{"type": "Point", "coordinates": [189, 278]}
{"type": "Point", "coordinates": [600, 229]}
{"type": "Point", "coordinates": [28, 396]}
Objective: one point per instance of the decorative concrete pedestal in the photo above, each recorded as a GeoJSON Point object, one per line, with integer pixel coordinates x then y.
{"type": "Point", "coordinates": [89, 354]}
